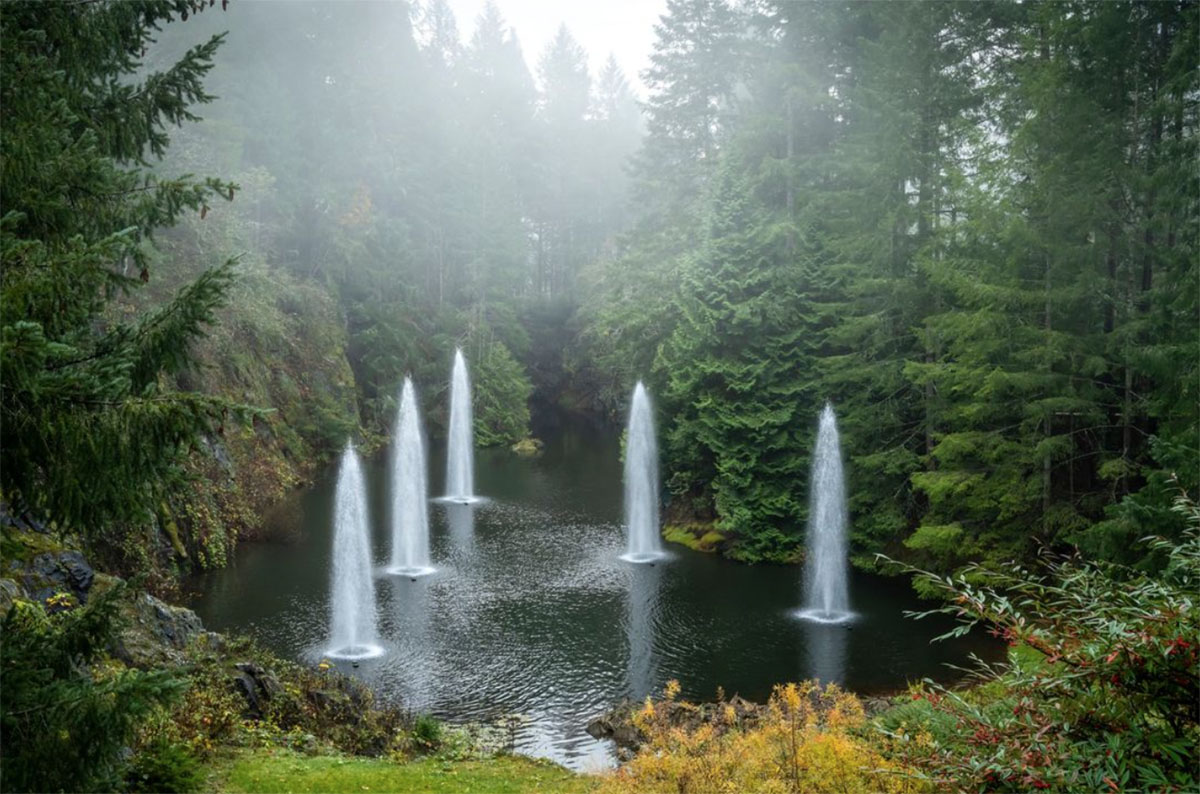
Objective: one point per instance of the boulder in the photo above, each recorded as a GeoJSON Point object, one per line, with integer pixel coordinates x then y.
{"type": "Point", "coordinates": [257, 686]}
{"type": "Point", "coordinates": [54, 572]}
{"type": "Point", "coordinates": [617, 725]}
{"type": "Point", "coordinates": [21, 522]}
{"type": "Point", "coordinates": [156, 633]}
{"type": "Point", "coordinates": [9, 591]}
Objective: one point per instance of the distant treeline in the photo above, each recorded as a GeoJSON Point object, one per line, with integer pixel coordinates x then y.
{"type": "Point", "coordinates": [445, 195]}
{"type": "Point", "coordinates": [970, 225]}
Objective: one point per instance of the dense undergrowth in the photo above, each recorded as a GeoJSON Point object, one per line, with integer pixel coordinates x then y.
{"type": "Point", "coordinates": [81, 714]}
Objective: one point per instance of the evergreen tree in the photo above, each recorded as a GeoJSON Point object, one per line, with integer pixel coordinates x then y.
{"type": "Point", "coordinates": [64, 724]}
{"type": "Point", "coordinates": [904, 98]}
{"type": "Point", "coordinates": [91, 433]}
{"type": "Point", "coordinates": [738, 425]}
{"type": "Point", "coordinates": [984, 209]}
{"type": "Point", "coordinates": [562, 219]}
{"type": "Point", "coordinates": [630, 309]}
{"type": "Point", "coordinates": [694, 73]}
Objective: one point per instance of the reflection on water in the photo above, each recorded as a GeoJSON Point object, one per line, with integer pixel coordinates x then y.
{"type": "Point", "coordinates": [643, 606]}
{"type": "Point", "coordinates": [532, 613]}
{"type": "Point", "coordinates": [825, 647]}
{"type": "Point", "coordinates": [408, 621]}
{"type": "Point", "coordinates": [461, 520]}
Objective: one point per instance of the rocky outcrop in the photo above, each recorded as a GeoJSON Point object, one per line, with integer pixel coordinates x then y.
{"type": "Point", "coordinates": [257, 686]}
{"type": "Point", "coordinates": [50, 573]}
{"type": "Point", "coordinates": [10, 591]}
{"type": "Point", "coordinates": [153, 634]}
{"type": "Point", "coordinates": [156, 633]}
{"type": "Point", "coordinates": [617, 726]}
{"type": "Point", "coordinates": [21, 523]}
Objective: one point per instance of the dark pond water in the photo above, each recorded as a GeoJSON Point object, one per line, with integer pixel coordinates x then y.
{"type": "Point", "coordinates": [532, 613]}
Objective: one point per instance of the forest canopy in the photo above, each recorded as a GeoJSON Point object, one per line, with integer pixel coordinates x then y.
{"type": "Point", "coordinates": [969, 226]}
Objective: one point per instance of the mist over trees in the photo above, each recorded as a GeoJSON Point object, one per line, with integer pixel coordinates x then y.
{"type": "Point", "coordinates": [229, 232]}
{"type": "Point", "coordinates": [430, 182]}
{"type": "Point", "coordinates": [971, 226]}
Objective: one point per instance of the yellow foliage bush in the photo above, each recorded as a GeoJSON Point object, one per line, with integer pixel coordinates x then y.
{"type": "Point", "coordinates": [805, 740]}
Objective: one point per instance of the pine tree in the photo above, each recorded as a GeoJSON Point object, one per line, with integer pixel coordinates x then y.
{"type": "Point", "coordinates": [564, 205]}
{"type": "Point", "coordinates": [1063, 261]}
{"type": "Point", "coordinates": [630, 308]}
{"type": "Point", "coordinates": [614, 135]}
{"type": "Point", "coordinates": [92, 434]}
{"type": "Point", "coordinates": [904, 98]}
{"type": "Point", "coordinates": [693, 77]}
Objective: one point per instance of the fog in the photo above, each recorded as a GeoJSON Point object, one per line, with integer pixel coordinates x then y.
{"type": "Point", "coordinates": [232, 230]}
{"type": "Point", "coordinates": [369, 136]}
{"type": "Point", "coordinates": [621, 28]}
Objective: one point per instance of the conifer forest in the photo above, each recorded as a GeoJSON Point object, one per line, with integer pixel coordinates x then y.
{"type": "Point", "coordinates": [413, 396]}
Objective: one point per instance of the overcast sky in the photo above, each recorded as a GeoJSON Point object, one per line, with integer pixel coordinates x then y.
{"type": "Point", "coordinates": [623, 27]}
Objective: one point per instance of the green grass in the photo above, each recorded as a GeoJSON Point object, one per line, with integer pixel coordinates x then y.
{"type": "Point", "coordinates": [285, 771]}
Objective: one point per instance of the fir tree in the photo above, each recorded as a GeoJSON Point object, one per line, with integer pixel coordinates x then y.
{"type": "Point", "coordinates": [92, 433]}
{"type": "Point", "coordinates": [64, 723]}
{"type": "Point", "coordinates": [739, 424]}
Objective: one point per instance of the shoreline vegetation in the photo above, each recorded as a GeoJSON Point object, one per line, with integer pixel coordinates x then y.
{"type": "Point", "coordinates": [229, 716]}
{"type": "Point", "coordinates": [969, 225]}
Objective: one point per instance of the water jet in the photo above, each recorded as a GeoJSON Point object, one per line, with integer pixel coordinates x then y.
{"type": "Point", "coordinates": [641, 481]}
{"type": "Point", "coordinates": [352, 624]}
{"type": "Point", "coordinates": [410, 493]}
{"type": "Point", "coordinates": [827, 598]}
{"type": "Point", "coordinates": [460, 438]}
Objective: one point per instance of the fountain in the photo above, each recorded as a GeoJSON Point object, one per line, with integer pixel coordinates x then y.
{"type": "Point", "coordinates": [460, 469]}
{"type": "Point", "coordinates": [352, 632]}
{"type": "Point", "coordinates": [410, 509]}
{"type": "Point", "coordinates": [641, 481]}
{"type": "Point", "coordinates": [826, 589]}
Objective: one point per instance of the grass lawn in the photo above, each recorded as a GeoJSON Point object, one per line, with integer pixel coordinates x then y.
{"type": "Point", "coordinates": [285, 771]}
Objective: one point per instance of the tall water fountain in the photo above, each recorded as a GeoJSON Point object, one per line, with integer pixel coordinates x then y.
{"type": "Point", "coordinates": [827, 598]}
{"type": "Point", "coordinates": [410, 508]}
{"type": "Point", "coordinates": [460, 468]}
{"type": "Point", "coordinates": [641, 481]}
{"type": "Point", "coordinates": [352, 619]}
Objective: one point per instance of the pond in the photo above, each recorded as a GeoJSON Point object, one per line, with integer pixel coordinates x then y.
{"type": "Point", "coordinates": [532, 613]}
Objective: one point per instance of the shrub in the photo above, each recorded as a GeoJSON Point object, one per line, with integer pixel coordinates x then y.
{"type": "Point", "coordinates": [807, 739]}
{"type": "Point", "coordinates": [164, 766]}
{"type": "Point", "coordinates": [502, 392]}
{"type": "Point", "coordinates": [305, 708]}
{"type": "Point", "coordinates": [427, 733]}
{"type": "Point", "coordinates": [1111, 704]}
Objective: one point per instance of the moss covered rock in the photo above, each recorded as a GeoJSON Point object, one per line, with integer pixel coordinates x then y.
{"type": "Point", "coordinates": [528, 447]}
